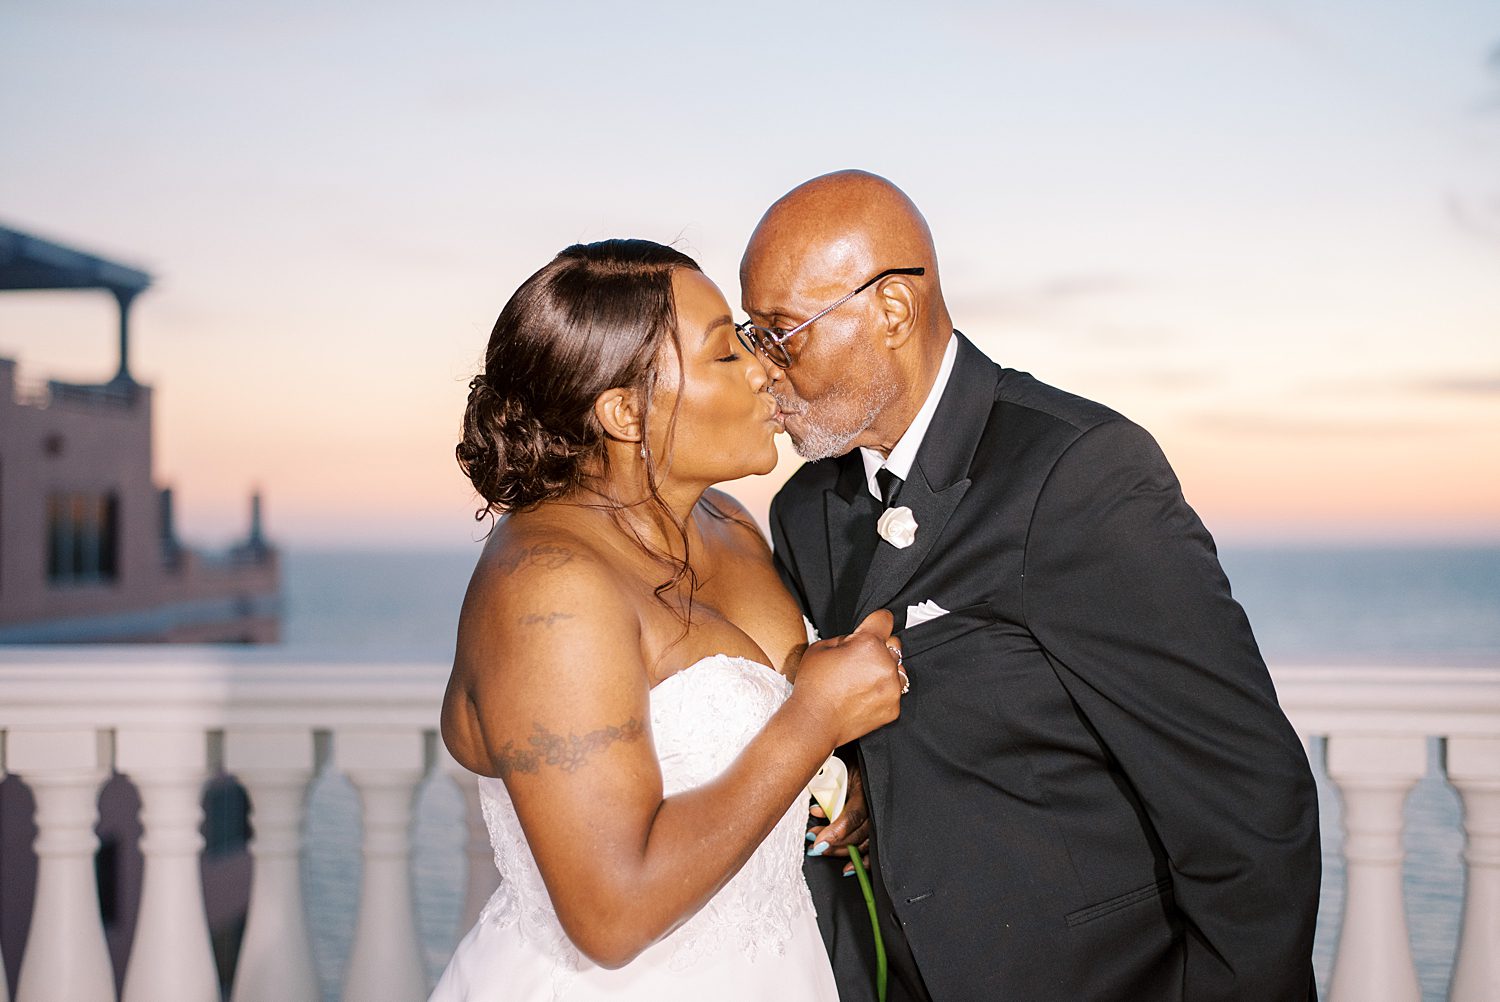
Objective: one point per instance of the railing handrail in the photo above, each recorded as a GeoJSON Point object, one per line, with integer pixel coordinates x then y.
{"type": "Point", "coordinates": [213, 690]}
{"type": "Point", "coordinates": [208, 686]}
{"type": "Point", "coordinates": [1390, 700]}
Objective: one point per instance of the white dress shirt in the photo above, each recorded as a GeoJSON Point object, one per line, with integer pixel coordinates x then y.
{"type": "Point", "coordinates": [904, 453]}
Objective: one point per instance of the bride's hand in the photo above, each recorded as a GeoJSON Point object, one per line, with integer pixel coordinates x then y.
{"type": "Point", "coordinates": [854, 681]}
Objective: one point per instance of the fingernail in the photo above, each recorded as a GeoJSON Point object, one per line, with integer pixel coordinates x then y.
{"type": "Point", "coordinates": [818, 849]}
{"type": "Point", "coordinates": [849, 873]}
{"type": "Point", "coordinates": [812, 836]}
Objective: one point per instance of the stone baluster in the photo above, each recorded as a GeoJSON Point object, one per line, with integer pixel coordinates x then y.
{"type": "Point", "coordinates": [482, 876]}
{"type": "Point", "coordinates": [385, 766]}
{"type": "Point", "coordinates": [1474, 770]}
{"type": "Point", "coordinates": [1374, 775]}
{"type": "Point", "coordinates": [66, 956]}
{"type": "Point", "coordinates": [275, 768]}
{"type": "Point", "coordinates": [171, 959]}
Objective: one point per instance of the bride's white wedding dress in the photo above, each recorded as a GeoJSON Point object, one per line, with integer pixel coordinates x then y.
{"type": "Point", "coordinates": [756, 939]}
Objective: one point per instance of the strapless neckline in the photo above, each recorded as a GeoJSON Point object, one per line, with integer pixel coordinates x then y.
{"type": "Point", "coordinates": [721, 659]}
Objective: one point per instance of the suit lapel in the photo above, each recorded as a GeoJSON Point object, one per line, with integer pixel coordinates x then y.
{"type": "Point", "coordinates": [939, 476]}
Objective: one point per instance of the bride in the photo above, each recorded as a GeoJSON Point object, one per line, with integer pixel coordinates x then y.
{"type": "Point", "coordinates": [624, 679]}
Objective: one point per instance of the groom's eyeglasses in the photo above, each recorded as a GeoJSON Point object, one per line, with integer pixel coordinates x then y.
{"type": "Point", "coordinates": [771, 341]}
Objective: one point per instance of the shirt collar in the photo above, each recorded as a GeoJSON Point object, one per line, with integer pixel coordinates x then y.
{"type": "Point", "coordinates": [904, 453]}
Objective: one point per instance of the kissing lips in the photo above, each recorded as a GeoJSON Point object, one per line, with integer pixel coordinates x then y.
{"type": "Point", "coordinates": [775, 415]}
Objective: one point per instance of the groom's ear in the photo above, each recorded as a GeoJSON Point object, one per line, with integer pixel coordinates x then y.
{"type": "Point", "coordinates": [898, 305]}
{"type": "Point", "coordinates": [618, 412]}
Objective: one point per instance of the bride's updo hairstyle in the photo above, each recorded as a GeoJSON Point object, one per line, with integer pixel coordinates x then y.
{"type": "Point", "coordinates": [591, 320]}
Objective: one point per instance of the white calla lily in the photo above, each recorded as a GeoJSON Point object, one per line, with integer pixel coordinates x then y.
{"type": "Point", "coordinates": [830, 787]}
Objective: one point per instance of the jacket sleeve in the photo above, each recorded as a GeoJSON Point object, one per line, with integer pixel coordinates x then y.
{"type": "Point", "coordinates": [1124, 591]}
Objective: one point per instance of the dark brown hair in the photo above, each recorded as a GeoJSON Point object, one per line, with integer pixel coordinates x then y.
{"type": "Point", "coordinates": [593, 319]}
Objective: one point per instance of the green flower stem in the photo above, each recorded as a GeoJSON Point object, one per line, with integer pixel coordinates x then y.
{"type": "Point", "coordinates": [864, 885]}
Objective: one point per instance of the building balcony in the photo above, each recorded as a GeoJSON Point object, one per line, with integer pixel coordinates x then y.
{"type": "Point", "coordinates": [369, 856]}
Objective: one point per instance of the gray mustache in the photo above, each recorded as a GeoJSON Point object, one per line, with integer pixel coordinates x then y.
{"type": "Point", "coordinates": [787, 407]}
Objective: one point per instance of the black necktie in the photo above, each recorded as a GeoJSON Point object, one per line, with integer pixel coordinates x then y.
{"type": "Point", "coordinates": [862, 543]}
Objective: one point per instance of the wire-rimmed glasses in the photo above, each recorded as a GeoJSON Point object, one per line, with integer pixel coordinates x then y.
{"type": "Point", "coordinates": [770, 342]}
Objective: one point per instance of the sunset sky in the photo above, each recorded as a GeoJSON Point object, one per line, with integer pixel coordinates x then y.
{"type": "Point", "coordinates": [1268, 231]}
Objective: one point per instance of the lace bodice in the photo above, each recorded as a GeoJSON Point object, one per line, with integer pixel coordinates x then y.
{"type": "Point", "coordinates": [701, 719]}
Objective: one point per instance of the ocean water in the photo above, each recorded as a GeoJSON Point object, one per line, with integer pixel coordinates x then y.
{"type": "Point", "coordinates": [1438, 606]}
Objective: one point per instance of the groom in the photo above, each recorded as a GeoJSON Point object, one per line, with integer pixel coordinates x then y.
{"type": "Point", "coordinates": [1092, 794]}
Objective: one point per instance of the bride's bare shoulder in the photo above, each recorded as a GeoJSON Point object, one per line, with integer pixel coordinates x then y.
{"type": "Point", "coordinates": [547, 631]}
{"type": "Point", "coordinates": [538, 571]}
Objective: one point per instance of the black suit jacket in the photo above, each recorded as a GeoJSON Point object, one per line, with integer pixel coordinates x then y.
{"type": "Point", "coordinates": [1091, 792]}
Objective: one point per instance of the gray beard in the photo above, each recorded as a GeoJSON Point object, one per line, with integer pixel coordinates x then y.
{"type": "Point", "coordinates": [820, 440]}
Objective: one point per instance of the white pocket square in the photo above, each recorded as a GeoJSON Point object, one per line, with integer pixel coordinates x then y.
{"type": "Point", "coordinates": [922, 612]}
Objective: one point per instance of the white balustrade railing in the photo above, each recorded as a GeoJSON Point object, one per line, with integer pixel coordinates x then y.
{"type": "Point", "coordinates": [1376, 722]}
{"type": "Point", "coordinates": [168, 719]}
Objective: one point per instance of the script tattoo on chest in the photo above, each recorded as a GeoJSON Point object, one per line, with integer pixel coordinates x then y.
{"type": "Point", "coordinates": [567, 753]}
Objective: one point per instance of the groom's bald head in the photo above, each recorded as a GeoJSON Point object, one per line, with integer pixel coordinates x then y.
{"type": "Point", "coordinates": [847, 225]}
{"type": "Point", "coordinates": [859, 373]}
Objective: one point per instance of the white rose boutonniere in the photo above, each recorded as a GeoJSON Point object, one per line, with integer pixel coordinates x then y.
{"type": "Point", "coordinates": [898, 527]}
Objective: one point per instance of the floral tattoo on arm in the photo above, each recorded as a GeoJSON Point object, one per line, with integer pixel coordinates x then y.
{"type": "Point", "coordinates": [568, 753]}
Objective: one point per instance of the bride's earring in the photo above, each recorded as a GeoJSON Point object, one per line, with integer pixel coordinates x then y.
{"type": "Point", "coordinates": [643, 450]}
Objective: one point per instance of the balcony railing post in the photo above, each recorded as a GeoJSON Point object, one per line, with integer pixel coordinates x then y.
{"type": "Point", "coordinates": [1374, 774]}
{"type": "Point", "coordinates": [66, 956]}
{"type": "Point", "coordinates": [171, 959]}
{"type": "Point", "coordinates": [1474, 770]}
{"type": "Point", "coordinates": [275, 767]}
{"type": "Point", "coordinates": [385, 766]}
{"type": "Point", "coordinates": [482, 875]}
